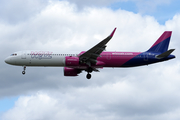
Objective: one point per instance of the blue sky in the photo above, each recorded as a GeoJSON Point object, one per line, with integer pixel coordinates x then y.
{"type": "Point", "coordinates": [30, 27]}
{"type": "Point", "coordinates": [162, 12]}
{"type": "Point", "coordinates": [7, 103]}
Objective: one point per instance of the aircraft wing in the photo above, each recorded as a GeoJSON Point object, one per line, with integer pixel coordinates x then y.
{"type": "Point", "coordinates": [90, 56]}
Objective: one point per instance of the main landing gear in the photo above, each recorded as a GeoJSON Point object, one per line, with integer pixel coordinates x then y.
{"type": "Point", "coordinates": [23, 72]}
{"type": "Point", "coordinates": [89, 70]}
{"type": "Point", "coordinates": [88, 76]}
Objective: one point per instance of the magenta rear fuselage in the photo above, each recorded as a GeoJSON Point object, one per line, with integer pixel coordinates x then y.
{"type": "Point", "coordinates": [118, 59]}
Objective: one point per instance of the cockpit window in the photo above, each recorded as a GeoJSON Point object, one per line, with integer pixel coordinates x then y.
{"type": "Point", "coordinates": [14, 54]}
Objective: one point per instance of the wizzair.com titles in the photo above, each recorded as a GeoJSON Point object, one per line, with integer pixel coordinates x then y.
{"type": "Point", "coordinates": [123, 53]}
{"type": "Point", "coordinates": [41, 55]}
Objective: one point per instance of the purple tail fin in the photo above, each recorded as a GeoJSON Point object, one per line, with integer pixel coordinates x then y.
{"type": "Point", "coordinates": [162, 44]}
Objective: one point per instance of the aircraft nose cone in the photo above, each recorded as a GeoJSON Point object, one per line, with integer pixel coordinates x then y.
{"type": "Point", "coordinates": [7, 60]}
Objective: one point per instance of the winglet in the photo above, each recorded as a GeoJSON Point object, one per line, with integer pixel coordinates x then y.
{"type": "Point", "coordinates": [111, 35]}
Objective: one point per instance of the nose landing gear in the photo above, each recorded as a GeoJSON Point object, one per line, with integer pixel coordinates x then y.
{"type": "Point", "coordinates": [23, 72]}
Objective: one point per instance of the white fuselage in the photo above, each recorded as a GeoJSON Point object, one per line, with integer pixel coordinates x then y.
{"type": "Point", "coordinates": [37, 58]}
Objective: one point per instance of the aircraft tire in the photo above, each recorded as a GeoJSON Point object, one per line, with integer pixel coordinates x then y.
{"type": "Point", "coordinates": [23, 72]}
{"type": "Point", "coordinates": [88, 76]}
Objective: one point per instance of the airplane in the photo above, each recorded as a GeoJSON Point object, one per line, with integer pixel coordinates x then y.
{"type": "Point", "coordinates": [94, 58]}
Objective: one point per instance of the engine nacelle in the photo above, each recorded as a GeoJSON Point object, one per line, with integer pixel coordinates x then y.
{"type": "Point", "coordinates": [70, 71]}
{"type": "Point", "coordinates": [72, 61]}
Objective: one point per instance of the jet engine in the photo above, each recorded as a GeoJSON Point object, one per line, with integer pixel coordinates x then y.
{"type": "Point", "coordinates": [71, 71]}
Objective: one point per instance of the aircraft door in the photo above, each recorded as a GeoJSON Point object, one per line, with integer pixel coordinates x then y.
{"type": "Point", "coordinates": [23, 55]}
{"type": "Point", "coordinates": [145, 57]}
{"type": "Point", "coordinates": [108, 56]}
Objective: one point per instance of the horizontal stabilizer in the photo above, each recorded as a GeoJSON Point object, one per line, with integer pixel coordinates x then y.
{"type": "Point", "coordinates": [165, 54]}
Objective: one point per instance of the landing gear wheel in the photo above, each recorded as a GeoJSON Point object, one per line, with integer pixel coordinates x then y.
{"type": "Point", "coordinates": [23, 72]}
{"type": "Point", "coordinates": [88, 76]}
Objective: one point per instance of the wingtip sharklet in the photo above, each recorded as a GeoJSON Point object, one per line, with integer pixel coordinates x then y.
{"type": "Point", "coordinates": [111, 35]}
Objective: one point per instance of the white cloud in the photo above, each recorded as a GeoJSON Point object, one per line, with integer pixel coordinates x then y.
{"type": "Point", "coordinates": [16, 11]}
{"type": "Point", "coordinates": [149, 92]}
{"type": "Point", "coordinates": [136, 96]}
{"type": "Point", "coordinates": [92, 3]}
{"type": "Point", "coordinates": [61, 24]}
